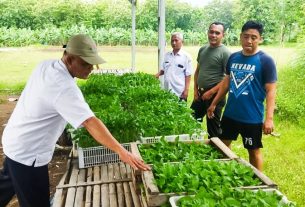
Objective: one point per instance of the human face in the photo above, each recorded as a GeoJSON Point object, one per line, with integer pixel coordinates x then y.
{"type": "Point", "coordinates": [250, 40]}
{"type": "Point", "coordinates": [176, 43]}
{"type": "Point", "coordinates": [215, 35]}
{"type": "Point", "coordinates": [79, 68]}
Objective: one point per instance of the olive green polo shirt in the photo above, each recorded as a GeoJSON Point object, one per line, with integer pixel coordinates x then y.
{"type": "Point", "coordinates": [212, 64]}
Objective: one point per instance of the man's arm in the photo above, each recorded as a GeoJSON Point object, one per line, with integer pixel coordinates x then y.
{"type": "Point", "coordinates": [222, 91]}
{"type": "Point", "coordinates": [185, 93]}
{"type": "Point", "coordinates": [268, 125]}
{"type": "Point", "coordinates": [102, 135]}
{"type": "Point", "coordinates": [207, 95]}
{"type": "Point", "coordinates": [161, 72]}
{"type": "Point", "coordinates": [195, 82]}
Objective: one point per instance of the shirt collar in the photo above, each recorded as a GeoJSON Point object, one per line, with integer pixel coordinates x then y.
{"type": "Point", "coordinates": [178, 53]}
{"type": "Point", "coordinates": [63, 65]}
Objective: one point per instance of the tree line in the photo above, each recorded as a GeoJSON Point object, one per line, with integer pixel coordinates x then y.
{"type": "Point", "coordinates": [110, 20]}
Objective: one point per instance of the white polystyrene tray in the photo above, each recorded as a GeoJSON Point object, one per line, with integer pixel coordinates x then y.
{"type": "Point", "coordinates": [174, 199]}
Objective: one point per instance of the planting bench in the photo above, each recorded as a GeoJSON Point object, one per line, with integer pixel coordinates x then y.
{"type": "Point", "coordinates": [105, 185]}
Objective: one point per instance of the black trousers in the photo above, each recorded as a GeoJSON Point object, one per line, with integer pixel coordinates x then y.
{"type": "Point", "coordinates": [29, 183]}
{"type": "Point", "coordinates": [200, 108]}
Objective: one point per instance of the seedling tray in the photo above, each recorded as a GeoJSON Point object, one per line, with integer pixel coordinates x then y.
{"type": "Point", "coordinates": [174, 199]}
{"type": "Point", "coordinates": [172, 138]}
{"type": "Point", "coordinates": [113, 71]}
{"type": "Point", "coordinates": [156, 198]}
{"type": "Point", "coordinates": [94, 156]}
{"type": "Point", "coordinates": [215, 142]}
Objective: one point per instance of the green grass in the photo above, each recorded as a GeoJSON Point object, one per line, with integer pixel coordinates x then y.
{"type": "Point", "coordinates": [284, 156]}
{"type": "Point", "coordinates": [17, 64]}
{"type": "Point", "coordinates": [283, 160]}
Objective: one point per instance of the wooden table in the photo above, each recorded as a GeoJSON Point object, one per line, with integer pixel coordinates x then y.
{"type": "Point", "coordinates": [108, 185]}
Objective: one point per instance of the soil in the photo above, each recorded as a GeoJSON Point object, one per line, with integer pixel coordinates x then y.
{"type": "Point", "coordinates": [57, 166]}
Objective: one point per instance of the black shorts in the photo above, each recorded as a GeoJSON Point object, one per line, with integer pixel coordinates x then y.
{"type": "Point", "coordinates": [251, 133]}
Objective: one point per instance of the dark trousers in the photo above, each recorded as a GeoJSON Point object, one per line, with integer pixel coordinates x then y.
{"type": "Point", "coordinates": [29, 183]}
{"type": "Point", "coordinates": [200, 108]}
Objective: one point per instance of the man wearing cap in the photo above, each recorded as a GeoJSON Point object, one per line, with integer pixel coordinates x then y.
{"type": "Point", "coordinates": [50, 100]}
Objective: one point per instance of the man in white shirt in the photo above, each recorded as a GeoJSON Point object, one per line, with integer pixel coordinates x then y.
{"type": "Point", "coordinates": [50, 100]}
{"type": "Point", "coordinates": [177, 68]}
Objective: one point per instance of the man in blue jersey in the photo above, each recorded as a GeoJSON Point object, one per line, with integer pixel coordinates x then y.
{"type": "Point", "coordinates": [250, 79]}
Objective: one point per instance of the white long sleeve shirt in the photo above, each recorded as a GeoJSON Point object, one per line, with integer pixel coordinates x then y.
{"type": "Point", "coordinates": [50, 99]}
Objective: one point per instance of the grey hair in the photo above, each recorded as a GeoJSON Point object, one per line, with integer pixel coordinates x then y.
{"type": "Point", "coordinates": [178, 34]}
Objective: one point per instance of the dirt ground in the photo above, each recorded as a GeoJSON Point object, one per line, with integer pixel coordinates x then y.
{"type": "Point", "coordinates": [57, 166]}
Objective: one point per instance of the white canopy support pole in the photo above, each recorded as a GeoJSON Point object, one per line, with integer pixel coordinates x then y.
{"type": "Point", "coordinates": [133, 36]}
{"type": "Point", "coordinates": [161, 23]}
{"type": "Point", "coordinates": [161, 36]}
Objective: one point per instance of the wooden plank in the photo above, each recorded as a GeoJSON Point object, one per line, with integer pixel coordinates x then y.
{"type": "Point", "coordinates": [79, 197]}
{"type": "Point", "coordinates": [73, 179]}
{"type": "Point", "coordinates": [266, 180]}
{"type": "Point", "coordinates": [135, 150]}
{"type": "Point", "coordinates": [135, 198]}
{"type": "Point", "coordinates": [84, 184]}
{"type": "Point", "coordinates": [119, 186]}
{"type": "Point", "coordinates": [143, 199]}
{"type": "Point", "coordinates": [96, 188]}
{"type": "Point", "coordinates": [112, 188]}
{"type": "Point", "coordinates": [223, 148]}
{"type": "Point", "coordinates": [128, 170]}
{"type": "Point", "coordinates": [136, 181]}
{"type": "Point", "coordinates": [148, 181]}
{"type": "Point", "coordinates": [59, 194]}
{"type": "Point", "coordinates": [127, 193]}
{"type": "Point", "coordinates": [88, 199]}
{"type": "Point", "coordinates": [105, 187]}
{"type": "Point", "coordinates": [123, 171]}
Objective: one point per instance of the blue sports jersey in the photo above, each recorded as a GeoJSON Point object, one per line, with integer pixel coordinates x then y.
{"type": "Point", "coordinates": [248, 76]}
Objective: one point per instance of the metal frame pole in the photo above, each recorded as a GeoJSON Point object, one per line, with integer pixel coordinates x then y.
{"type": "Point", "coordinates": [133, 36]}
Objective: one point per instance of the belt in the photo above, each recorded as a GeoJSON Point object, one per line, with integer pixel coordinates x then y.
{"type": "Point", "coordinates": [206, 89]}
{"type": "Point", "coordinates": [201, 91]}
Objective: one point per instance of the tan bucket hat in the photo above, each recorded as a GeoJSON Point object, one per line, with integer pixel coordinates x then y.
{"type": "Point", "coordinates": [84, 46]}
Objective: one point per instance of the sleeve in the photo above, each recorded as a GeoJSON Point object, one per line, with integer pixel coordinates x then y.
{"type": "Point", "coordinates": [165, 62]}
{"type": "Point", "coordinates": [225, 59]}
{"type": "Point", "coordinates": [71, 105]}
{"type": "Point", "coordinates": [198, 55]}
{"type": "Point", "coordinates": [269, 69]}
{"type": "Point", "coordinates": [228, 68]}
{"type": "Point", "coordinates": [189, 67]}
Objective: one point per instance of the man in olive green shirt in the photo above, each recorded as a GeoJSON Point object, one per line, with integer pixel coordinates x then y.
{"type": "Point", "coordinates": [211, 62]}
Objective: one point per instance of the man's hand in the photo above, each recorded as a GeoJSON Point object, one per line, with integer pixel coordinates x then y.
{"type": "Point", "coordinates": [196, 95]}
{"type": "Point", "coordinates": [184, 95]}
{"type": "Point", "coordinates": [161, 72]}
{"type": "Point", "coordinates": [134, 161]}
{"type": "Point", "coordinates": [268, 126]}
{"type": "Point", "coordinates": [210, 111]}
{"type": "Point", "coordinates": [207, 95]}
